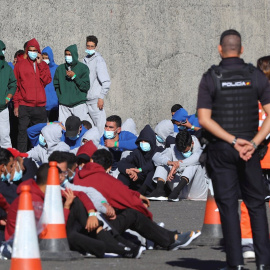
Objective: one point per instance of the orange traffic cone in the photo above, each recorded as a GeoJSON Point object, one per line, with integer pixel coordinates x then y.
{"type": "Point", "coordinates": [53, 240]}
{"type": "Point", "coordinates": [211, 230]}
{"type": "Point", "coordinates": [25, 254]}
{"type": "Point", "coordinates": [246, 232]}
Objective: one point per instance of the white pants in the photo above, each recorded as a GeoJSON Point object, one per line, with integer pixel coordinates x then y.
{"type": "Point", "coordinates": [79, 111]}
{"type": "Point", "coordinates": [198, 181]}
{"type": "Point", "coordinates": [98, 117]}
{"type": "Point", "coordinates": [5, 141]}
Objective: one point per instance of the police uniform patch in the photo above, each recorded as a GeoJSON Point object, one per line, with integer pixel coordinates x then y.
{"type": "Point", "coordinates": [230, 84]}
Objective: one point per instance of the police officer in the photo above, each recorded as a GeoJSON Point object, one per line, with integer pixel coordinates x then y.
{"type": "Point", "coordinates": [228, 110]}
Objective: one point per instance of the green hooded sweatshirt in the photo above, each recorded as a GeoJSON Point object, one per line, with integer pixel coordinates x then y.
{"type": "Point", "coordinates": [72, 92]}
{"type": "Point", "coordinates": [8, 82]}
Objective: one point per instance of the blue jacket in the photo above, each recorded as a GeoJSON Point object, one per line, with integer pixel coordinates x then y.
{"type": "Point", "coordinates": [34, 131]}
{"type": "Point", "coordinates": [181, 115]}
{"type": "Point", "coordinates": [52, 100]}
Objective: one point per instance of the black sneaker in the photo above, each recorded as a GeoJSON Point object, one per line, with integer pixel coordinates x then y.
{"type": "Point", "coordinates": [133, 252]}
{"type": "Point", "coordinates": [174, 196]}
{"type": "Point", "coordinates": [183, 240]}
{"type": "Point", "coordinates": [238, 267]}
{"type": "Point", "coordinates": [157, 195]}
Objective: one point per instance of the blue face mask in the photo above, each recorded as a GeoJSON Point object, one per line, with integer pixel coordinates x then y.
{"type": "Point", "coordinates": [145, 146]}
{"type": "Point", "coordinates": [187, 154]}
{"type": "Point", "coordinates": [41, 140]}
{"type": "Point", "coordinates": [159, 139]}
{"type": "Point", "coordinates": [5, 177]}
{"type": "Point", "coordinates": [109, 134]}
{"type": "Point", "coordinates": [68, 59]}
{"type": "Point", "coordinates": [90, 52]}
{"type": "Point", "coordinates": [17, 176]}
{"type": "Point", "coordinates": [3, 52]}
{"type": "Point", "coordinates": [181, 127]}
{"type": "Point", "coordinates": [74, 138]}
{"type": "Point", "coordinates": [63, 185]}
{"type": "Point", "coordinates": [70, 178]}
{"type": "Point", "coordinates": [32, 55]}
{"type": "Point", "coordinates": [47, 61]}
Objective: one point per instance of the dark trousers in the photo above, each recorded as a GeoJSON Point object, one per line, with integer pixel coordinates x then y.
{"type": "Point", "coordinates": [135, 220]}
{"type": "Point", "coordinates": [52, 115]}
{"type": "Point", "coordinates": [143, 179]}
{"type": "Point", "coordinates": [28, 116]}
{"type": "Point", "coordinates": [228, 172]}
{"type": "Point", "coordinates": [78, 238]}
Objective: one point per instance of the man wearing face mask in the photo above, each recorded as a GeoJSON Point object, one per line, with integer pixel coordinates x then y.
{"type": "Point", "coordinates": [32, 75]}
{"type": "Point", "coordinates": [178, 166]}
{"type": "Point", "coordinates": [52, 100]}
{"type": "Point", "coordinates": [137, 169]}
{"type": "Point", "coordinates": [116, 140]}
{"type": "Point", "coordinates": [99, 83]}
{"type": "Point", "coordinates": [71, 82]}
{"type": "Point", "coordinates": [8, 88]}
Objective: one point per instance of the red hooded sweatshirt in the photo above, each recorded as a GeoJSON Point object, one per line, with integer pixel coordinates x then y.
{"type": "Point", "coordinates": [37, 198]}
{"type": "Point", "coordinates": [30, 83]}
{"type": "Point", "coordinates": [117, 194]}
{"type": "Point", "coordinates": [3, 203]}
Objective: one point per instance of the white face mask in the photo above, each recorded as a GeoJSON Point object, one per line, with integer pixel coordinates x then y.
{"type": "Point", "coordinates": [47, 61]}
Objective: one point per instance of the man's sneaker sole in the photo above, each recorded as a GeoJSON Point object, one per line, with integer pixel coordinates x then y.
{"type": "Point", "coordinates": [173, 200]}
{"type": "Point", "coordinates": [141, 250]}
{"type": "Point", "coordinates": [249, 254]}
{"type": "Point", "coordinates": [160, 198]}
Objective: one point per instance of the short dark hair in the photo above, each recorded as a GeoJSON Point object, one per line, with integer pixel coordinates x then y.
{"type": "Point", "coordinates": [25, 45]}
{"type": "Point", "coordinates": [44, 53]}
{"type": "Point", "coordinates": [183, 140]}
{"type": "Point", "coordinates": [71, 159]}
{"type": "Point", "coordinates": [42, 174]}
{"type": "Point", "coordinates": [115, 118]}
{"type": "Point", "coordinates": [92, 39]}
{"type": "Point", "coordinates": [87, 124]}
{"type": "Point", "coordinates": [58, 156]}
{"type": "Point", "coordinates": [230, 40]}
{"type": "Point", "coordinates": [5, 156]}
{"type": "Point", "coordinates": [103, 157]}
{"type": "Point", "coordinates": [176, 107]}
{"type": "Point", "coordinates": [18, 53]}
{"type": "Point", "coordinates": [263, 64]}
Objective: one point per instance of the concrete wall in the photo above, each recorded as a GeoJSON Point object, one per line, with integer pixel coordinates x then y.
{"type": "Point", "coordinates": [156, 50]}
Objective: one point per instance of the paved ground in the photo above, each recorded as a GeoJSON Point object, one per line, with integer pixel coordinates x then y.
{"type": "Point", "coordinates": [184, 215]}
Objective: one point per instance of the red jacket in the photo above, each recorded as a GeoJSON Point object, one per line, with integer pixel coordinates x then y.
{"type": "Point", "coordinates": [3, 203]}
{"type": "Point", "coordinates": [38, 200]}
{"type": "Point", "coordinates": [30, 84]}
{"type": "Point", "coordinates": [117, 194]}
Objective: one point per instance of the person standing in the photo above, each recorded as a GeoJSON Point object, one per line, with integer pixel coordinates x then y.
{"type": "Point", "coordinates": [8, 87]}
{"type": "Point", "coordinates": [51, 97]}
{"type": "Point", "coordinates": [71, 82]}
{"type": "Point", "coordinates": [32, 75]}
{"type": "Point", "coordinates": [99, 83]}
{"type": "Point", "coordinates": [228, 109]}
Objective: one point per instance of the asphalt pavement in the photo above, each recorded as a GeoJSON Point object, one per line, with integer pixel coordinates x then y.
{"type": "Point", "coordinates": [183, 216]}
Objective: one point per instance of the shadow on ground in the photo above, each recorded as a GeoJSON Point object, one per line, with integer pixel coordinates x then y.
{"type": "Point", "coordinates": [192, 263]}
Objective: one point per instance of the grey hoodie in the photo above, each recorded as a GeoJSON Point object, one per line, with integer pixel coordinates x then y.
{"type": "Point", "coordinates": [52, 134]}
{"type": "Point", "coordinates": [99, 77]}
{"type": "Point", "coordinates": [164, 129]}
{"type": "Point", "coordinates": [129, 125]}
{"type": "Point", "coordinates": [173, 154]}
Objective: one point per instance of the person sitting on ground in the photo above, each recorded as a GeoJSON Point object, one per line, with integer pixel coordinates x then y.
{"type": "Point", "coordinates": [49, 141]}
{"type": "Point", "coordinates": [163, 130]}
{"type": "Point", "coordinates": [72, 132]}
{"type": "Point", "coordinates": [117, 140]}
{"type": "Point", "coordinates": [179, 166]}
{"type": "Point", "coordinates": [87, 124]}
{"type": "Point", "coordinates": [128, 205]}
{"type": "Point", "coordinates": [77, 233]}
{"type": "Point", "coordinates": [137, 169]}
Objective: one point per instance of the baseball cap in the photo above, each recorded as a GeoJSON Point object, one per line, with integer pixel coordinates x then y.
{"type": "Point", "coordinates": [73, 124]}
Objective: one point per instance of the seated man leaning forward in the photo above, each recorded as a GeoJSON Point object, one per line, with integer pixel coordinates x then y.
{"type": "Point", "coordinates": [179, 166]}
{"type": "Point", "coordinates": [116, 140]}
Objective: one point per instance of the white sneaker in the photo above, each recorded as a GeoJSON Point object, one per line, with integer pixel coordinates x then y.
{"type": "Point", "coordinates": [249, 254]}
